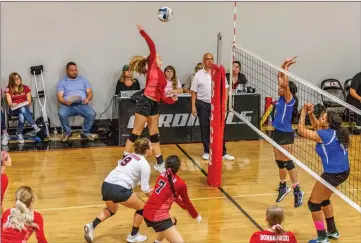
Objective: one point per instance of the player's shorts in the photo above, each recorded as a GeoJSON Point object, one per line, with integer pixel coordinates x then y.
{"type": "Point", "coordinates": [159, 226]}
{"type": "Point", "coordinates": [146, 107]}
{"type": "Point", "coordinates": [335, 179]}
{"type": "Point", "coordinates": [115, 193]}
{"type": "Point", "coordinates": [283, 138]}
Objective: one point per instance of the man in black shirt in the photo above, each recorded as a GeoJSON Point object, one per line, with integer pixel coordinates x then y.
{"type": "Point", "coordinates": [354, 97]}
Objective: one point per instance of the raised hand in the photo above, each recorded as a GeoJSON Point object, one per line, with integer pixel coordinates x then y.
{"type": "Point", "coordinates": [140, 28]}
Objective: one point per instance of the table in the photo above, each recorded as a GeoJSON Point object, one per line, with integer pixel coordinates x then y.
{"type": "Point", "coordinates": [178, 125]}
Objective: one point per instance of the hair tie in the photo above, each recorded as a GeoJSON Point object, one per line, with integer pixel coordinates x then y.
{"type": "Point", "coordinates": [277, 226]}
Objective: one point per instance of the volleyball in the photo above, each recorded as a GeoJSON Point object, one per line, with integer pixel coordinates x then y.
{"type": "Point", "coordinates": [165, 14]}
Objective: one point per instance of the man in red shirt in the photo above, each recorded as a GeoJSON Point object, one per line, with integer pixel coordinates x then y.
{"type": "Point", "coordinates": [18, 97]}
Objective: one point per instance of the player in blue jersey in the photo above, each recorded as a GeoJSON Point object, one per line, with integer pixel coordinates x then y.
{"type": "Point", "coordinates": [285, 110]}
{"type": "Point", "coordinates": [332, 143]}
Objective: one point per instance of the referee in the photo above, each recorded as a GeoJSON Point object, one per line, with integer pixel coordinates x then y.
{"type": "Point", "coordinates": [201, 89]}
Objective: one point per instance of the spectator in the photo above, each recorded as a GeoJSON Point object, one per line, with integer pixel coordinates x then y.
{"type": "Point", "coordinates": [237, 77]}
{"type": "Point", "coordinates": [18, 223]}
{"type": "Point", "coordinates": [354, 97]}
{"type": "Point", "coordinates": [188, 83]}
{"type": "Point", "coordinates": [126, 81]}
{"type": "Point", "coordinates": [18, 97]}
{"type": "Point", "coordinates": [74, 94]}
{"type": "Point", "coordinates": [173, 84]}
{"type": "Point", "coordinates": [201, 104]}
{"type": "Point", "coordinates": [275, 232]}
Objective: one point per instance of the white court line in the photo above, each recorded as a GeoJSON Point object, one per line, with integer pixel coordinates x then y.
{"type": "Point", "coordinates": [193, 199]}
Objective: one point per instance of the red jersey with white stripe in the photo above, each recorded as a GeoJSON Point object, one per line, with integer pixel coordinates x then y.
{"type": "Point", "coordinates": [155, 81]}
{"type": "Point", "coordinates": [158, 206]}
{"type": "Point", "coordinates": [10, 235]}
{"type": "Point", "coordinates": [19, 98]}
{"type": "Point", "coordinates": [267, 236]}
{"type": "Point", "coordinates": [4, 185]}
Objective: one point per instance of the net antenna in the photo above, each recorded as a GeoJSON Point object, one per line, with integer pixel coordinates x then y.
{"type": "Point", "coordinates": [233, 58]}
{"type": "Point", "coordinates": [262, 75]}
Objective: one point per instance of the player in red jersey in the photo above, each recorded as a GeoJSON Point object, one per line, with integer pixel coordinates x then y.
{"type": "Point", "coordinates": [5, 162]}
{"type": "Point", "coordinates": [275, 232]}
{"type": "Point", "coordinates": [169, 188]}
{"type": "Point", "coordinates": [146, 110]}
{"type": "Point", "coordinates": [18, 223]}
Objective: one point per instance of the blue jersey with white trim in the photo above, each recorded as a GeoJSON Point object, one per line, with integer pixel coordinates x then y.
{"type": "Point", "coordinates": [282, 116]}
{"type": "Point", "coordinates": [334, 155]}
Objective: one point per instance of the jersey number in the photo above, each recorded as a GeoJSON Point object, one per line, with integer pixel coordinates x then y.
{"type": "Point", "coordinates": [125, 161]}
{"type": "Point", "coordinates": [161, 184]}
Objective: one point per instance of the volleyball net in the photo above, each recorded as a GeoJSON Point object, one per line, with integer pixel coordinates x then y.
{"type": "Point", "coordinates": [262, 75]}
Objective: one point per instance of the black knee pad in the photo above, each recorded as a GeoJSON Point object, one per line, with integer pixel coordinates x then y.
{"type": "Point", "coordinates": [133, 137]}
{"type": "Point", "coordinates": [289, 165]}
{"type": "Point", "coordinates": [314, 207]}
{"type": "Point", "coordinates": [111, 214]}
{"type": "Point", "coordinates": [140, 212]}
{"type": "Point", "coordinates": [280, 164]}
{"type": "Point", "coordinates": [154, 138]}
{"type": "Point", "coordinates": [325, 203]}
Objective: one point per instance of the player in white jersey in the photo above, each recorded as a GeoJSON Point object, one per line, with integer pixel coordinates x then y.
{"type": "Point", "coordinates": [118, 187]}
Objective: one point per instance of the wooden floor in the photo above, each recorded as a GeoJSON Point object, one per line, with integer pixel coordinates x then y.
{"type": "Point", "coordinates": [67, 183]}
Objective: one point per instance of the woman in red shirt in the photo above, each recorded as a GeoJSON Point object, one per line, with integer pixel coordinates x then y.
{"type": "Point", "coordinates": [146, 110]}
{"type": "Point", "coordinates": [18, 97]}
{"type": "Point", "coordinates": [275, 232]}
{"type": "Point", "coordinates": [169, 188]}
{"type": "Point", "coordinates": [5, 162]}
{"type": "Point", "coordinates": [18, 223]}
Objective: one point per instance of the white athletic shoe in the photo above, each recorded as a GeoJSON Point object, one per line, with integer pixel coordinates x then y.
{"type": "Point", "coordinates": [89, 233]}
{"type": "Point", "coordinates": [205, 156]}
{"type": "Point", "coordinates": [136, 238]}
{"type": "Point", "coordinates": [228, 157]}
{"type": "Point", "coordinates": [160, 168]}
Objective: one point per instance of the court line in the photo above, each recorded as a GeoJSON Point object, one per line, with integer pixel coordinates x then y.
{"type": "Point", "coordinates": [221, 189]}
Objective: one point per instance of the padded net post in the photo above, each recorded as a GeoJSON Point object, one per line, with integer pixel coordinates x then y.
{"type": "Point", "coordinates": [262, 75]}
{"type": "Point", "coordinates": [217, 126]}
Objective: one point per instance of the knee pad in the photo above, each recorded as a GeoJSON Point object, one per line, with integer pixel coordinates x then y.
{"type": "Point", "coordinates": [280, 164]}
{"type": "Point", "coordinates": [111, 214]}
{"type": "Point", "coordinates": [133, 137]}
{"type": "Point", "coordinates": [289, 165]}
{"type": "Point", "coordinates": [154, 138]}
{"type": "Point", "coordinates": [325, 203]}
{"type": "Point", "coordinates": [140, 212]}
{"type": "Point", "coordinates": [314, 207]}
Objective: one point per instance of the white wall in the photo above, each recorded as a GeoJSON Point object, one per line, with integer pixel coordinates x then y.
{"type": "Point", "coordinates": [100, 38]}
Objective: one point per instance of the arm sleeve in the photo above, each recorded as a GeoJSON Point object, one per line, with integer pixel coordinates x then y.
{"type": "Point", "coordinates": [118, 88]}
{"type": "Point", "coordinates": [179, 84]}
{"type": "Point", "coordinates": [60, 87]}
{"type": "Point", "coordinates": [151, 46]}
{"type": "Point", "coordinates": [40, 236]}
{"type": "Point", "coordinates": [356, 81]}
{"type": "Point", "coordinates": [194, 85]}
{"type": "Point", "coordinates": [254, 238]}
{"type": "Point", "coordinates": [27, 89]}
{"type": "Point", "coordinates": [293, 238]}
{"type": "Point", "coordinates": [187, 202]}
{"type": "Point", "coordinates": [144, 178]}
{"type": "Point", "coordinates": [137, 85]}
{"type": "Point", "coordinates": [243, 79]}
{"type": "Point", "coordinates": [86, 84]}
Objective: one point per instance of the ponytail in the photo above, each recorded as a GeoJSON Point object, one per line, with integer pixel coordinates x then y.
{"type": "Point", "coordinates": [293, 89]}
{"type": "Point", "coordinates": [138, 64]}
{"type": "Point", "coordinates": [20, 217]}
{"type": "Point", "coordinates": [335, 121]}
{"type": "Point", "coordinates": [170, 180]}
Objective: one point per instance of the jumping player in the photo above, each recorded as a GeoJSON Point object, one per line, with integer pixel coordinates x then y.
{"type": "Point", "coordinates": [146, 110]}
{"type": "Point", "coordinates": [118, 187]}
{"type": "Point", "coordinates": [5, 162]}
{"type": "Point", "coordinates": [18, 223]}
{"type": "Point", "coordinates": [275, 232]}
{"type": "Point", "coordinates": [169, 188]}
{"type": "Point", "coordinates": [284, 111]}
{"type": "Point", "coordinates": [332, 143]}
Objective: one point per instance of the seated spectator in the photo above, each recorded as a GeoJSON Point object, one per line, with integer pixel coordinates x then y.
{"type": "Point", "coordinates": [74, 94]}
{"type": "Point", "coordinates": [237, 77]}
{"type": "Point", "coordinates": [275, 232]}
{"type": "Point", "coordinates": [18, 97]}
{"type": "Point", "coordinates": [173, 87]}
{"type": "Point", "coordinates": [126, 81]}
{"type": "Point", "coordinates": [354, 96]}
{"type": "Point", "coordinates": [188, 83]}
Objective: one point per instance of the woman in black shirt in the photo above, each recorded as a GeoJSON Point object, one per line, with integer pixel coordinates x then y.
{"type": "Point", "coordinates": [126, 81]}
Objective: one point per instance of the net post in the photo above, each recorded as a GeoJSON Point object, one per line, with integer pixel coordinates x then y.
{"type": "Point", "coordinates": [214, 178]}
